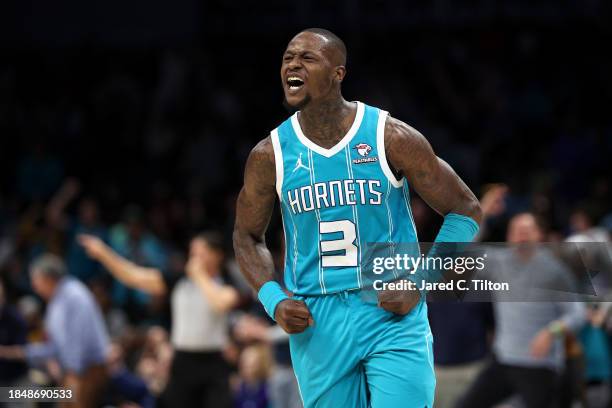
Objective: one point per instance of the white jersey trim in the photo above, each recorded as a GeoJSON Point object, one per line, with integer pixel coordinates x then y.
{"type": "Point", "coordinates": [278, 163]}
{"type": "Point", "coordinates": [355, 217]}
{"type": "Point", "coordinates": [380, 146]}
{"type": "Point", "coordinates": [318, 215]}
{"type": "Point", "coordinates": [340, 145]}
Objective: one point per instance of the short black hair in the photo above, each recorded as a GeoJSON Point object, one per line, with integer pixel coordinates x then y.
{"type": "Point", "coordinates": [214, 239]}
{"type": "Point", "coordinates": [335, 41]}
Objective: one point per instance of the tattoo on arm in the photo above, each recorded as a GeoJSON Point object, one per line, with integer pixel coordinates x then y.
{"type": "Point", "coordinates": [253, 211]}
{"type": "Point", "coordinates": [411, 156]}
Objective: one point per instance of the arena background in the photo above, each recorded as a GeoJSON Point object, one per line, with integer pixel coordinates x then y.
{"type": "Point", "coordinates": [147, 111]}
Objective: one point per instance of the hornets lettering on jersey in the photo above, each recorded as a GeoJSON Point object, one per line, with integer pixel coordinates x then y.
{"type": "Point", "coordinates": [332, 193]}
{"type": "Point", "coordinates": [333, 201]}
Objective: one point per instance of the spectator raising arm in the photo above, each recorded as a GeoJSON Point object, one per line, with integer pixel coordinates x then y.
{"type": "Point", "coordinates": [149, 280]}
{"type": "Point", "coordinates": [221, 297]}
{"type": "Point", "coordinates": [58, 203]}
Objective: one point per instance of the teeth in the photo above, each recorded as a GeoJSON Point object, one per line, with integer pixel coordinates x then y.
{"type": "Point", "coordinates": [294, 79]}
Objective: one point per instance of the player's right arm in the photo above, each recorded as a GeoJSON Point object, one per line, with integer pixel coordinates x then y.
{"type": "Point", "coordinates": [253, 211]}
{"type": "Point", "coordinates": [149, 280]}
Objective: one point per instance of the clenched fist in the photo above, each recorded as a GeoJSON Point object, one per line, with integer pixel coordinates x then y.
{"type": "Point", "coordinates": [293, 316]}
{"type": "Point", "coordinates": [400, 302]}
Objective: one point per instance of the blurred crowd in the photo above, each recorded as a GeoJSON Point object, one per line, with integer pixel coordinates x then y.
{"type": "Point", "coordinates": [139, 152]}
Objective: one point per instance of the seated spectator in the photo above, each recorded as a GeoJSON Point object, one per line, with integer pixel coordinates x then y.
{"type": "Point", "coordinates": [13, 331]}
{"type": "Point", "coordinates": [30, 308]}
{"type": "Point", "coordinates": [114, 318]}
{"type": "Point", "coordinates": [283, 391]}
{"type": "Point", "coordinates": [251, 388]}
{"type": "Point", "coordinates": [155, 360]}
{"type": "Point", "coordinates": [461, 331]}
{"type": "Point", "coordinates": [125, 387]}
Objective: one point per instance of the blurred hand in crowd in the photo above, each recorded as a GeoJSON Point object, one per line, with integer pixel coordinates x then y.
{"type": "Point", "coordinates": [69, 190]}
{"type": "Point", "coordinates": [54, 370]}
{"type": "Point", "coordinates": [541, 344]}
{"type": "Point", "coordinates": [71, 187]}
{"type": "Point", "coordinates": [250, 328]}
{"type": "Point", "coordinates": [493, 201]}
{"type": "Point", "coordinates": [12, 352]}
{"type": "Point", "coordinates": [195, 267]}
{"type": "Point", "coordinates": [93, 245]}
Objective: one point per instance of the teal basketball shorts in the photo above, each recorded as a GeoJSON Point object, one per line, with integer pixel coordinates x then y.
{"type": "Point", "coordinates": [359, 355]}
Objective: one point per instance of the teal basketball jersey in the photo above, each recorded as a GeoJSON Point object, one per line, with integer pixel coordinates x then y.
{"type": "Point", "coordinates": [334, 201]}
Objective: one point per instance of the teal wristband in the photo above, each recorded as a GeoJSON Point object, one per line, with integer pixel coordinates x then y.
{"type": "Point", "coordinates": [270, 295]}
{"type": "Point", "coordinates": [457, 228]}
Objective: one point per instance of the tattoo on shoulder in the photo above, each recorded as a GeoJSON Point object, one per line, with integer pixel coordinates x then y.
{"type": "Point", "coordinates": [407, 150]}
{"type": "Point", "coordinates": [400, 136]}
{"type": "Point", "coordinates": [260, 164]}
{"type": "Point", "coordinates": [256, 199]}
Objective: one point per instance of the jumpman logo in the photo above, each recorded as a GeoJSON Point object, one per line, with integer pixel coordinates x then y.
{"type": "Point", "coordinates": [299, 164]}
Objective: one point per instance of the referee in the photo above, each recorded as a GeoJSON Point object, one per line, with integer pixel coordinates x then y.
{"type": "Point", "coordinates": [200, 303]}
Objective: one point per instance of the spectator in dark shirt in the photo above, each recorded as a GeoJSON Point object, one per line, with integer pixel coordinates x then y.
{"type": "Point", "coordinates": [132, 241]}
{"type": "Point", "coordinates": [87, 221]}
{"type": "Point", "coordinates": [124, 386]}
{"type": "Point", "coordinates": [461, 332]}
{"type": "Point", "coordinates": [254, 370]}
{"type": "Point", "coordinates": [13, 331]}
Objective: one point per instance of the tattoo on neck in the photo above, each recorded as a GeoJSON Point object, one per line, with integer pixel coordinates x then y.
{"type": "Point", "coordinates": [326, 123]}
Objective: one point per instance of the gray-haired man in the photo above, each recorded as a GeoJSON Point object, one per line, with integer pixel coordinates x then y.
{"type": "Point", "coordinates": [76, 335]}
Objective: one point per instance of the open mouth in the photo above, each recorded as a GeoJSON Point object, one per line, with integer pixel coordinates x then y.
{"type": "Point", "coordinates": [295, 83]}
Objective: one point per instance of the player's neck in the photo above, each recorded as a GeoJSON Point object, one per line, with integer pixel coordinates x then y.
{"type": "Point", "coordinates": [326, 122]}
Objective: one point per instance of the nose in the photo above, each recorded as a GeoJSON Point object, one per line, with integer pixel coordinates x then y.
{"type": "Point", "coordinates": [294, 63]}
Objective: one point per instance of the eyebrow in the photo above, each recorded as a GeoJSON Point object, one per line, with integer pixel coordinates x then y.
{"type": "Point", "coordinates": [288, 51]}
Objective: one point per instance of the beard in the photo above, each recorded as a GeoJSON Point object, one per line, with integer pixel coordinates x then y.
{"type": "Point", "coordinates": [296, 107]}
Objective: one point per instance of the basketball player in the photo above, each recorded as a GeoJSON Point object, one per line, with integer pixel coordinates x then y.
{"type": "Point", "coordinates": [341, 171]}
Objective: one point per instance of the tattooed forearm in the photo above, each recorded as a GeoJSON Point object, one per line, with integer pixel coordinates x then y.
{"type": "Point", "coordinates": [253, 211]}
{"type": "Point", "coordinates": [411, 155]}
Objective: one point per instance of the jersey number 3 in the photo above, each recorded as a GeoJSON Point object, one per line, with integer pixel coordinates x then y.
{"type": "Point", "coordinates": [344, 248]}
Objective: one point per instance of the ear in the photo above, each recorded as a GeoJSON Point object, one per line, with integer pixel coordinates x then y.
{"type": "Point", "coordinates": [339, 73]}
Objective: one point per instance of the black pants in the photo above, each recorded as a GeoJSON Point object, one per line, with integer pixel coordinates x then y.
{"type": "Point", "coordinates": [496, 382]}
{"type": "Point", "coordinates": [198, 379]}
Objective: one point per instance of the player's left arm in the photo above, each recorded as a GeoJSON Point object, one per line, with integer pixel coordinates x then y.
{"type": "Point", "coordinates": [411, 156]}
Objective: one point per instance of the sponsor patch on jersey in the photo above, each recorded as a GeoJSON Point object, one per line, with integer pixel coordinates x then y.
{"type": "Point", "coordinates": [364, 149]}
